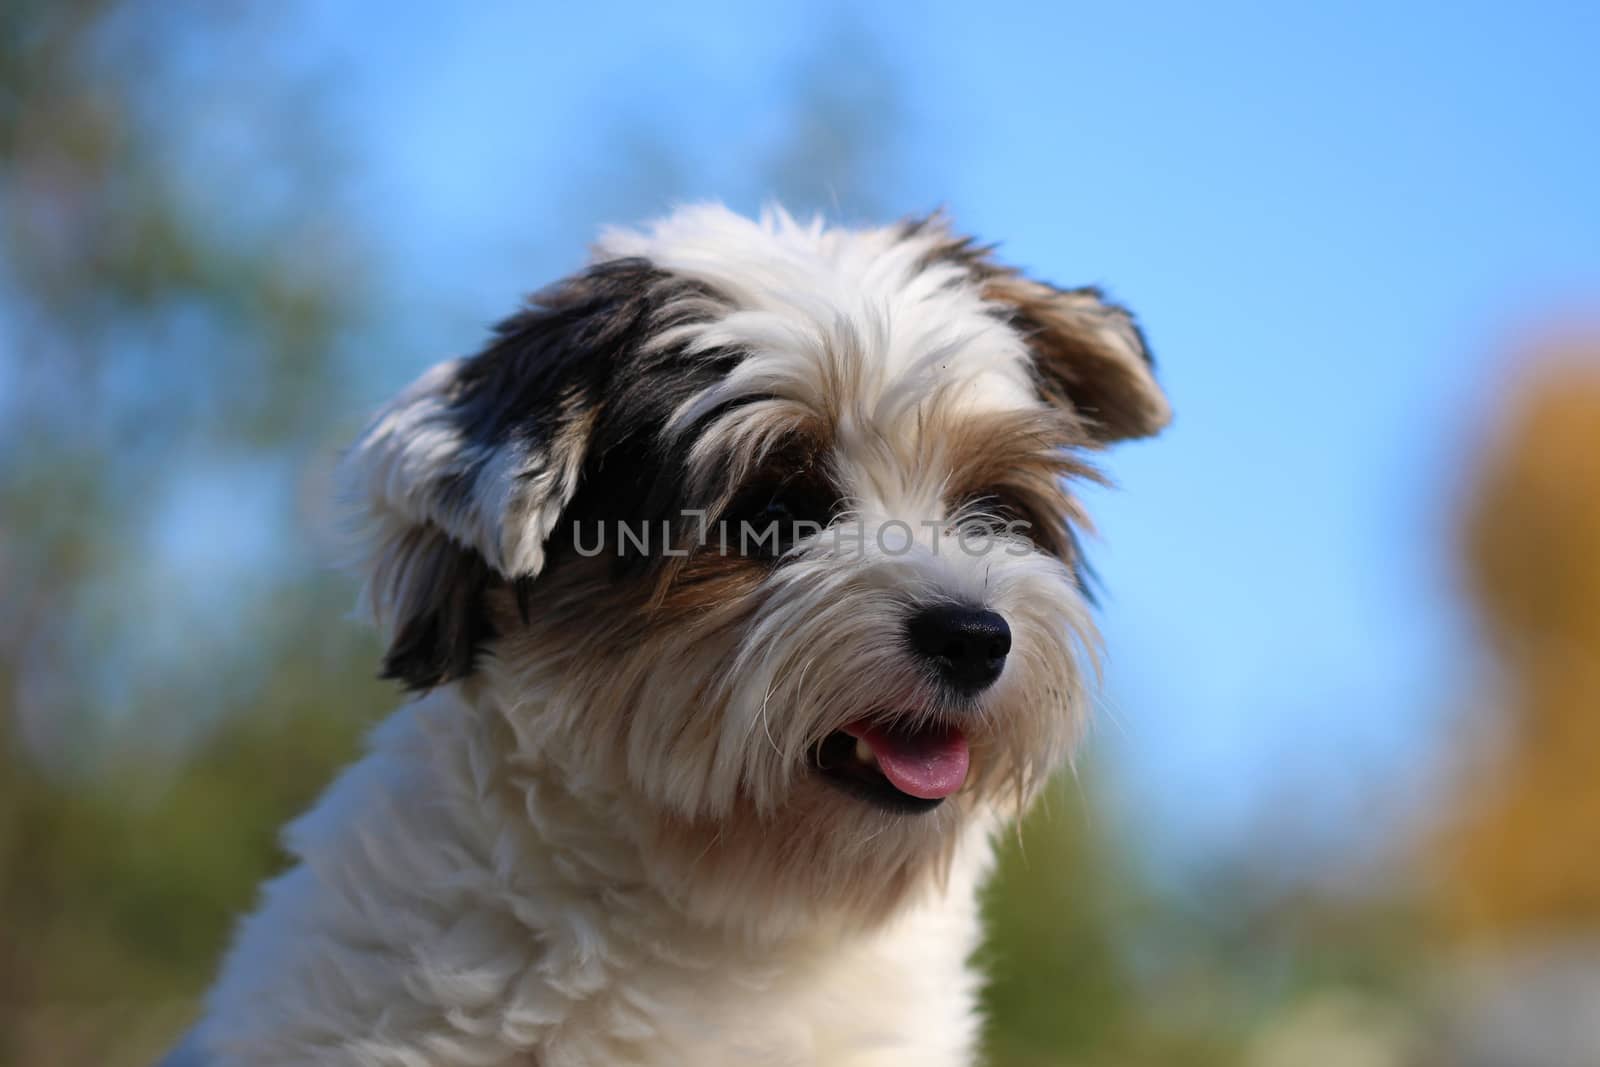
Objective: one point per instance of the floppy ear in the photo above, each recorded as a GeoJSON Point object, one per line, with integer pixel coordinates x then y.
{"type": "Point", "coordinates": [1090, 354]}
{"type": "Point", "coordinates": [457, 484]}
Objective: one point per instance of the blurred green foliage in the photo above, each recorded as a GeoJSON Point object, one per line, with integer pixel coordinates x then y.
{"type": "Point", "coordinates": [155, 730]}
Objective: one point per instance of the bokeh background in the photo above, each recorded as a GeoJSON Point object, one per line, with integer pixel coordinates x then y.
{"type": "Point", "coordinates": [1342, 808]}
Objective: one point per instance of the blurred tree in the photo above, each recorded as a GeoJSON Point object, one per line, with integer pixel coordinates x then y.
{"type": "Point", "coordinates": [1520, 877]}
{"type": "Point", "coordinates": [170, 316]}
{"type": "Point", "coordinates": [1525, 858]}
{"type": "Point", "coordinates": [1062, 915]}
{"type": "Point", "coordinates": [842, 152]}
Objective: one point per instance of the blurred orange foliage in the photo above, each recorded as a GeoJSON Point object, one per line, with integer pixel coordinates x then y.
{"type": "Point", "coordinates": [1525, 856]}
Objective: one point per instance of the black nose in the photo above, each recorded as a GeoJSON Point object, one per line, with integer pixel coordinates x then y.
{"type": "Point", "coordinates": [967, 646]}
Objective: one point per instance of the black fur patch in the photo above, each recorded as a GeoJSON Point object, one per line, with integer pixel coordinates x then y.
{"type": "Point", "coordinates": [441, 620]}
{"type": "Point", "coordinates": [576, 355]}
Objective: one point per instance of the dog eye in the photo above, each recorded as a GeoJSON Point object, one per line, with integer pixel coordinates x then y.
{"type": "Point", "coordinates": [771, 520]}
{"type": "Point", "coordinates": [998, 512]}
{"type": "Point", "coordinates": [779, 510]}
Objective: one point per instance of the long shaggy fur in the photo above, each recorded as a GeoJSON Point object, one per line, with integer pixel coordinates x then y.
{"type": "Point", "coordinates": [602, 832]}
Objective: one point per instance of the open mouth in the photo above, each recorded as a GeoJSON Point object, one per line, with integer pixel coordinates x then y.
{"type": "Point", "coordinates": [904, 767]}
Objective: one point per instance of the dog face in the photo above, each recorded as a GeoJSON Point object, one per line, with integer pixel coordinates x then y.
{"type": "Point", "coordinates": [763, 534]}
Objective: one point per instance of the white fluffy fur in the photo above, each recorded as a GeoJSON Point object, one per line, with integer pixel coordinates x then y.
{"type": "Point", "coordinates": [451, 910]}
{"type": "Point", "coordinates": [504, 878]}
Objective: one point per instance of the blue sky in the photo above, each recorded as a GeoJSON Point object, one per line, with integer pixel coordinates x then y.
{"type": "Point", "coordinates": [1330, 221]}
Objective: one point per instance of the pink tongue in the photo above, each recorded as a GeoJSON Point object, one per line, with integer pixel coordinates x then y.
{"type": "Point", "coordinates": [929, 764]}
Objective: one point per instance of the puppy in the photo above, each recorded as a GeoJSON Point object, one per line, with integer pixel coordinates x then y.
{"type": "Point", "coordinates": [737, 583]}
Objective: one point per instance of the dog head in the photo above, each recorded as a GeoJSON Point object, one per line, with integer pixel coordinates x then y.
{"type": "Point", "coordinates": [765, 533]}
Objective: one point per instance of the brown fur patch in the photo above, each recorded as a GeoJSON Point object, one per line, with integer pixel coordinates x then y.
{"type": "Point", "coordinates": [1090, 354]}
